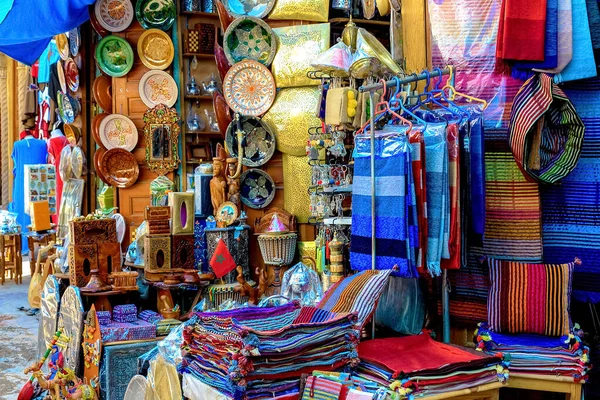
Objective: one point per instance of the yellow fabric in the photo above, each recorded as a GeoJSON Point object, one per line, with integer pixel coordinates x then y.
{"type": "Point", "coordinates": [290, 117]}
{"type": "Point", "coordinates": [304, 10]}
{"type": "Point", "coordinates": [164, 379]}
{"type": "Point", "coordinates": [297, 47]}
{"type": "Point", "coordinates": [296, 180]}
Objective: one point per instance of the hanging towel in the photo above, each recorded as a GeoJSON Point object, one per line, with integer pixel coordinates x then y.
{"type": "Point", "coordinates": [582, 64]}
{"type": "Point", "coordinates": [565, 37]}
{"type": "Point", "coordinates": [477, 170]}
{"type": "Point", "coordinates": [522, 30]}
{"type": "Point", "coordinates": [541, 103]}
{"type": "Point", "coordinates": [522, 69]}
{"type": "Point", "coordinates": [417, 155]}
{"type": "Point", "coordinates": [396, 229]}
{"type": "Point", "coordinates": [436, 168]}
{"type": "Point", "coordinates": [452, 259]}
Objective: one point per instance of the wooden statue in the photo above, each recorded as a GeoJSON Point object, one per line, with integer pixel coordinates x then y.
{"type": "Point", "coordinates": [263, 281]}
{"type": "Point", "coordinates": [218, 183]}
{"type": "Point", "coordinates": [245, 288]}
{"type": "Point", "coordinates": [233, 183]}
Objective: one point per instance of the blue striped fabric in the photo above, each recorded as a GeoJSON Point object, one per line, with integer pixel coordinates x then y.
{"type": "Point", "coordinates": [395, 209]}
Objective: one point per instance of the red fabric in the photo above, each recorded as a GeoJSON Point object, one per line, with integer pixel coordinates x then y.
{"type": "Point", "coordinates": [411, 354]}
{"type": "Point", "coordinates": [26, 132]}
{"type": "Point", "coordinates": [418, 169]}
{"type": "Point", "coordinates": [454, 242]}
{"type": "Point", "coordinates": [222, 262]}
{"type": "Point", "coordinates": [55, 147]}
{"type": "Point", "coordinates": [522, 30]}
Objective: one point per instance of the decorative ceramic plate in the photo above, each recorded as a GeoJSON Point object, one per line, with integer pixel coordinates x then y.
{"type": "Point", "coordinates": [72, 134]}
{"type": "Point", "coordinates": [249, 88]}
{"type": "Point", "coordinates": [95, 24]}
{"type": "Point", "coordinates": [114, 15]}
{"type": "Point", "coordinates": [98, 165]}
{"type": "Point", "coordinates": [155, 49]}
{"type": "Point", "coordinates": [249, 38]}
{"type": "Point", "coordinates": [118, 131]}
{"type": "Point", "coordinates": [120, 168]}
{"type": "Point", "coordinates": [102, 92]}
{"type": "Point", "coordinates": [114, 56]}
{"type": "Point", "coordinates": [158, 87]}
{"type": "Point", "coordinates": [60, 71]}
{"type": "Point", "coordinates": [72, 75]}
{"type": "Point", "coordinates": [75, 105]}
{"type": "Point", "coordinates": [259, 142]}
{"type": "Point", "coordinates": [250, 8]}
{"type": "Point", "coordinates": [96, 129]}
{"type": "Point", "coordinates": [159, 14]}
{"type": "Point", "coordinates": [70, 323]}
{"type": "Point", "coordinates": [64, 167]}
{"type": "Point", "coordinates": [62, 44]}
{"type": "Point", "coordinates": [227, 213]}
{"type": "Point", "coordinates": [64, 108]}
{"type": "Point", "coordinates": [77, 161]}
{"type": "Point", "coordinates": [74, 41]}
{"type": "Point", "coordinates": [257, 188]}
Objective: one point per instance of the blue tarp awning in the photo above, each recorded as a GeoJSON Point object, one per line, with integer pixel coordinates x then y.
{"type": "Point", "coordinates": [26, 26]}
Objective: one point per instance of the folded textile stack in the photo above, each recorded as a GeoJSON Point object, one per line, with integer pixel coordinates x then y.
{"type": "Point", "coordinates": [426, 366]}
{"type": "Point", "coordinates": [125, 313]}
{"type": "Point", "coordinates": [536, 354]}
{"type": "Point", "coordinates": [251, 351]}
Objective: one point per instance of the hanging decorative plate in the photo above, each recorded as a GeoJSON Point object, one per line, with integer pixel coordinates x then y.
{"type": "Point", "coordinates": [64, 167]}
{"type": "Point", "coordinates": [120, 168]}
{"type": "Point", "coordinates": [77, 161]}
{"type": "Point", "coordinates": [161, 131]}
{"type": "Point", "coordinates": [62, 44]}
{"type": "Point", "coordinates": [114, 15]}
{"type": "Point", "coordinates": [158, 87]}
{"type": "Point", "coordinates": [249, 38]}
{"type": "Point", "coordinates": [64, 108]}
{"type": "Point", "coordinates": [75, 105]}
{"type": "Point", "coordinates": [72, 134]}
{"type": "Point", "coordinates": [159, 14]}
{"type": "Point", "coordinates": [49, 312]}
{"type": "Point", "coordinates": [250, 8]}
{"type": "Point", "coordinates": [114, 56]}
{"type": "Point", "coordinates": [259, 142]}
{"type": "Point", "coordinates": [155, 49]}
{"type": "Point", "coordinates": [94, 22]}
{"type": "Point", "coordinates": [227, 213]}
{"type": "Point", "coordinates": [118, 131]}
{"type": "Point", "coordinates": [60, 71]}
{"type": "Point", "coordinates": [74, 41]}
{"type": "Point", "coordinates": [257, 188]}
{"type": "Point", "coordinates": [249, 88]}
{"type": "Point", "coordinates": [96, 129]}
{"type": "Point", "coordinates": [70, 323]}
{"type": "Point", "coordinates": [102, 90]}
{"type": "Point", "coordinates": [72, 75]}
{"type": "Point", "coordinates": [98, 165]}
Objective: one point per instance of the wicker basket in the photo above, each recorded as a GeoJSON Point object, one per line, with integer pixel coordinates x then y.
{"type": "Point", "coordinates": [278, 249]}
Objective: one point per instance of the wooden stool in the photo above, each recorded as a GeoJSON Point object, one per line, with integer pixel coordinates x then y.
{"type": "Point", "coordinates": [10, 258]}
{"type": "Point", "coordinates": [490, 391]}
{"type": "Point", "coordinates": [554, 384]}
{"type": "Point", "coordinates": [38, 239]}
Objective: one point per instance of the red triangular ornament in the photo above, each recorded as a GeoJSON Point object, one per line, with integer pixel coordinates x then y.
{"type": "Point", "coordinates": [222, 262]}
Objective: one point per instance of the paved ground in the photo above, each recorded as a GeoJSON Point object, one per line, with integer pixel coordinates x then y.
{"type": "Point", "coordinates": [18, 337]}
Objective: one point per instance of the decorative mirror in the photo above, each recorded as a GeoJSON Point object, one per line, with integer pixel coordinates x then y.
{"type": "Point", "coordinates": [161, 131]}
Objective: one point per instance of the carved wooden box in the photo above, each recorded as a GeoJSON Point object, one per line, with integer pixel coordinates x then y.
{"type": "Point", "coordinates": [182, 251]}
{"type": "Point", "coordinates": [83, 258]}
{"type": "Point", "coordinates": [158, 219]}
{"type": "Point", "coordinates": [182, 209]}
{"type": "Point", "coordinates": [157, 252]}
{"type": "Point", "coordinates": [109, 257]}
{"type": "Point", "coordinates": [93, 231]}
{"type": "Point", "coordinates": [152, 213]}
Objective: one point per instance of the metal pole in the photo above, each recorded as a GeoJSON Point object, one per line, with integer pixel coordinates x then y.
{"type": "Point", "coordinates": [373, 252]}
{"type": "Point", "coordinates": [404, 81]}
{"type": "Point", "coordinates": [446, 306]}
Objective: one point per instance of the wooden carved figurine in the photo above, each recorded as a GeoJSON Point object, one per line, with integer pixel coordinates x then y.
{"type": "Point", "coordinates": [233, 183]}
{"type": "Point", "coordinates": [218, 183]}
{"type": "Point", "coordinates": [245, 289]}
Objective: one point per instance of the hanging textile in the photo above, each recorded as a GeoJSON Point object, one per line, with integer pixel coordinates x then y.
{"type": "Point", "coordinates": [49, 18]}
{"type": "Point", "coordinates": [565, 37]}
{"type": "Point", "coordinates": [582, 64]}
{"type": "Point", "coordinates": [522, 30]}
{"type": "Point", "coordinates": [451, 259]}
{"type": "Point", "coordinates": [417, 156]}
{"type": "Point", "coordinates": [396, 229]}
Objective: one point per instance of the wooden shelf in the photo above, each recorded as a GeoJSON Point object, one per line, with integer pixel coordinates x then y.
{"type": "Point", "coordinates": [359, 21]}
{"type": "Point", "coordinates": [197, 97]}
{"type": "Point", "coordinates": [200, 14]}
{"type": "Point", "coordinates": [198, 55]}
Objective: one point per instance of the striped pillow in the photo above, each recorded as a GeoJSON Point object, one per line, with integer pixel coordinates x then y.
{"type": "Point", "coordinates": [357, 293]}
{"type": "Point", "coordinates": [530, 298]}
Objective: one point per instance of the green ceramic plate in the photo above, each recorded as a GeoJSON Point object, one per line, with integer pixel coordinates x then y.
{"type": "Point", "coordinates": [114, 56]}
{"type": "Point", "coordinates": [249, 38]}
{"type": "Point", "coordinates": [159, 14]}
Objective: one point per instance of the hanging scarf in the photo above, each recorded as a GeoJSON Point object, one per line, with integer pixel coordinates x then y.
{"type": "Point", "coordinates": [522, 30]}
{"type": "Point", "coordinates": [417, 155]}
{"type": "Point", "coordinates": [565, 37]}
{"type": "Point", "coordinates": [451, 260]}
{"type": "Point", "coordinates": [582, 64]}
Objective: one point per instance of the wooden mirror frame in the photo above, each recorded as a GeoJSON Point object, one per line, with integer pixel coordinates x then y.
{"type": "Point", "coordinates": [162, 115]}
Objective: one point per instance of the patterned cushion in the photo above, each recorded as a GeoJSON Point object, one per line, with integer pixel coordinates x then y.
{"type": "Point", "coordinates": [530, 298]}
{"type": "Point", "coordinates": [357, 293]}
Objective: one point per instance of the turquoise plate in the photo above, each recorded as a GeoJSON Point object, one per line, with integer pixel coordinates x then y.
{"type": "Point", "coordinates": [114, 56]}
{"type": "Point", "coordinates": [158, 14]}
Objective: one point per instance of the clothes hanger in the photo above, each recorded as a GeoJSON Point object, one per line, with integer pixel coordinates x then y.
{"type": "Point", "coordinates": [386, 109]}
{"type": "Point", "coordinates": [453, 92]}
{"type": "Point", "coordinates": [399, 102]}
{"type": "Point", "coordinates": [432, 99]}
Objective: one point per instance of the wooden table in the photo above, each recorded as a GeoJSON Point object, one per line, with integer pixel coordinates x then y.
{"type": "Point", "coordinates": [490, 391]}
{"type": "Point", "coordinates": [11, 258]}
{"type": "Point", "coordinates": [554, 384]}
{"type": "Point", "coordinates": [40, 239]}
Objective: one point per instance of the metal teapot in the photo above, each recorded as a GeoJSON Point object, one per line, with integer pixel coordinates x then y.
{"type": "Point", "coordinates": [192, 87]}
{"type": "Point", "coordinates": [213, 85]}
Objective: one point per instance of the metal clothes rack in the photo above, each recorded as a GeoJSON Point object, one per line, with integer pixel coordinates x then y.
{"type": "Point", "coordinates": [371, 89]}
